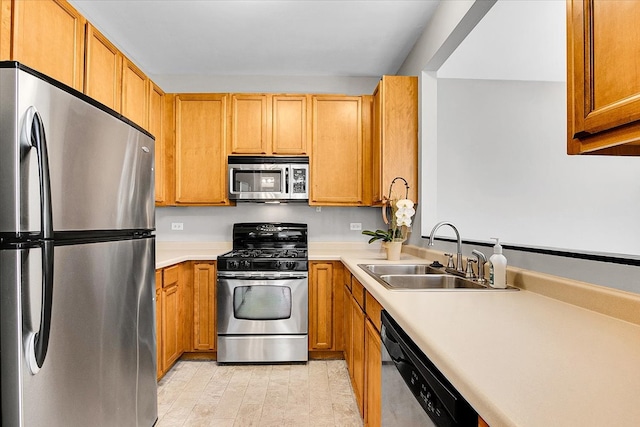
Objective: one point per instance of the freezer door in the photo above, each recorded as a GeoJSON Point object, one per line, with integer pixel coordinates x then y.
{"type": "Point", "coordinates": [101, 168]}
{"type": "Point", "coordinates": [100, 367]}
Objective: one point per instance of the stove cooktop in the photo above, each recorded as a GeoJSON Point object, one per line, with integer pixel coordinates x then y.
{"type": "Point", "coordinates": [267, 247]}
{"type": "Point", "coordinates": [266, 253]}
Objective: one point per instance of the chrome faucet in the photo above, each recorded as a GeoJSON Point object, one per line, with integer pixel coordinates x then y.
{"type": "Point", "coordinates": [481, 262]}
{"type": "Point", "coordinates": [459, 266]}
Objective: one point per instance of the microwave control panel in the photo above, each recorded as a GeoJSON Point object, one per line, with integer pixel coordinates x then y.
{"type": "Point", "coordinates": [299, 180]}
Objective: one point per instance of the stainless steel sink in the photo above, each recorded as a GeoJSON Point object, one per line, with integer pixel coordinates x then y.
{"type": "Point", "coordinates": [380, 269]}
{"type": "Point", "coordinates": [421, 277]}
{"type": "Point", "coordinates": [428, 281]}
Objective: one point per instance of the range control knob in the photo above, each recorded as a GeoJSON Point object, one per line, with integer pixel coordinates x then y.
{"type": "Point", "coordinates": [233, 264]}
{"type": "Point", "coordinates": [245, 264]}
{"type": "Point", "coordinates": [286, 265]}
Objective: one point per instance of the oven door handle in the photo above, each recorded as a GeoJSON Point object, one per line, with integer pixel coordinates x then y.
{"type": "Point", "coordinates": [262, 276]}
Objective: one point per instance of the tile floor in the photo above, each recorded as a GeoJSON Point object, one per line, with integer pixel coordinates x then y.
{"type": "Point", "coordinates": [203, 393]}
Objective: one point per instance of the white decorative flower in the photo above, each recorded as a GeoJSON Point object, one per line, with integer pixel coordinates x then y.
{"type": "Point", "coordinates": [404, 212]}
{"type": "Point", "coordinates": [404, 203]}
{"type": "Point", "coordinates": [404, 221]}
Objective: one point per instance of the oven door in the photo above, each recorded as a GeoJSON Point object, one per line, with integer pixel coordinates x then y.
{"type": "Point", "coordinates": [262, 303]}
{"type": "Point", "coordinates": [266, 181]}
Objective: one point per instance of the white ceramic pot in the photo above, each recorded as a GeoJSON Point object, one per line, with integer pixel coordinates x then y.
{"type": "Point", "coordinates": [393, 250]}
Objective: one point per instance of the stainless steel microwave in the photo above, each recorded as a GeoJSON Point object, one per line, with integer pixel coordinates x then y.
{"type": "Point", "coordinates": [268, 178]}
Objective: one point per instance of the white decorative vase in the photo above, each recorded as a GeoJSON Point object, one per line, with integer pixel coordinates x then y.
{"type": "Point", "coordinates": [393, 250]}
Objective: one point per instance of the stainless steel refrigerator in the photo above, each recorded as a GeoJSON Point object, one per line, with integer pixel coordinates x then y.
{"type": "Point", "coordinates": [77, 311]}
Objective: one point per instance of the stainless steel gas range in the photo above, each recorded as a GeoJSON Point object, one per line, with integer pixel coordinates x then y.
{"type": "Point", "coordinates": [263, 294]}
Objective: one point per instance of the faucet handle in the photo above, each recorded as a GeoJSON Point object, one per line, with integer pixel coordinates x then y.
{"type": "Point", "coordinates": [450, 261]}
{"type": "Point", "coordinates": [470, 274]}
{"type": "Point", "coordinates": [482, 259]}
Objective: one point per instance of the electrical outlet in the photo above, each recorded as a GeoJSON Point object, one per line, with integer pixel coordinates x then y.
{"type": "Point", "coordinates": [319, 209]}
{"type": "Point", "coordinates": [355, 226]}
{"type": "Point", "coordinates": [177, 226]}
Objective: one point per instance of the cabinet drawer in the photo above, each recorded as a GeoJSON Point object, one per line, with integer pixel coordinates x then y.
{"type": "Point", "coordinates": [373, 310]}
{"type": "Point", "coordinates": [171, 275]}
{"type": "Point", "coordinates": [347, 279]}
{"type": "Point", "coordinates": [158, 279]}
{"type": "Point", "coordinates": [357, 290]}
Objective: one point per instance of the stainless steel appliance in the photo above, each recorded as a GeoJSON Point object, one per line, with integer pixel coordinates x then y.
{"type": "Point", "coordinates": [77, 316]}
{"type": "Point", "coordinates": [414, 391]}
{"type": "Point", "coordinates": [268, 179]}
{"type": "Point", "coordinates": [263, 294]}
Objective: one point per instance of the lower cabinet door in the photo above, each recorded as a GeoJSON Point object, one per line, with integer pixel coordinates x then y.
{"type": "Point", "coordinates": [357, 353]}
{"type": "Point", "coordinates": [346, 316]}
{"type": "Point", "coordinates": [159, 366]}
{"type": "Point", "coordinates": [204, 309]}
{"type": "Point", "coordinates": [321, 306]}
{"type": "Point", "coordinates": [171, 339]}
{"type": "Point", "coordinates": [373, 376]}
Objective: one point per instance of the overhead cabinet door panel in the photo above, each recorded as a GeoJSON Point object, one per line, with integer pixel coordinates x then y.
{"type": "Point", "coordinates": [337, 156]}
{"type": "Point", "coordinates": [200, 149]}
{"type": "Point", "coordinates": [603, 77]}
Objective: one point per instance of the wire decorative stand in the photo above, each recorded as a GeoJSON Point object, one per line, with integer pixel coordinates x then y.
{"type": "Point", "coordinates": [386, 201]}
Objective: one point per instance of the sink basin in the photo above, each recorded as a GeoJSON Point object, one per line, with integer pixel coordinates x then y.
{"type": "Point", "coordinates": [427, 281]}
{"type": "Point", "coordinates": [420, 277]}
{"type": "Point", "coordinates": [380, 269]}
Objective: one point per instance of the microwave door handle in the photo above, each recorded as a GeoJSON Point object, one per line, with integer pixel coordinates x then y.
{"type": "Point", "coordinates": [286, 177]}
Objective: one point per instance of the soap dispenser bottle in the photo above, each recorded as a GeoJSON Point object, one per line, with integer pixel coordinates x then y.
{"type": "Point", "coordinates": [498, 267]}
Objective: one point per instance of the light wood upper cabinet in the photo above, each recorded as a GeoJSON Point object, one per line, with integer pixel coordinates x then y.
{"type": "Point", "coordinates": [603, 77]}
{"type": "Point", "coordinates": [266, 124]}
{"type": "Point", "coordinates": [48, 36]}
{"type": "Point", "coordinates": [249, 132]}
{"type": "Point", "coordinates": [200, 149]}
{"type": "Point", "coordinates": [5, 30]}
{"type": "Point", "coordinates": [204, 308]}
{"type": "Point", "coordinates": [395, 135]}
{"type": "Point", "coordinates": [337, 155]}
{"type": "Point", "coordinates": [134, 94]}
{"type": "Point", "coordinates": [103, 69]}
{"type": "Point", "coordinates": [290, 128]}
{"type": "Point", "coordinates": [155, 127]}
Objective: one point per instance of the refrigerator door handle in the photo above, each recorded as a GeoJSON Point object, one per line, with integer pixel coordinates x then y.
{"type": "Point", "coordinates": [34, 136]}
{"type": "Point", "coordinates": [38, 342]}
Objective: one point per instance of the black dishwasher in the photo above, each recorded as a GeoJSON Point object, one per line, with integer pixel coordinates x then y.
{"type": "Point", "coordinates": [414, 392]}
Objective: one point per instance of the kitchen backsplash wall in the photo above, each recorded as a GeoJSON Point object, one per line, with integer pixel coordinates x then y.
{"type": "Point", "coordinates": [215, 224]}
{"type": "Point", "coordinates": [608, 274]}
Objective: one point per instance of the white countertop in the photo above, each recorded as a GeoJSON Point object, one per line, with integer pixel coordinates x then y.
{"type": "Point", "coordinates": [518, 357]}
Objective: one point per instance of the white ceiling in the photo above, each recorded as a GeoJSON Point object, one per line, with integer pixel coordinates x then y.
{"type": "Point", "coordinates": [262, 37]}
